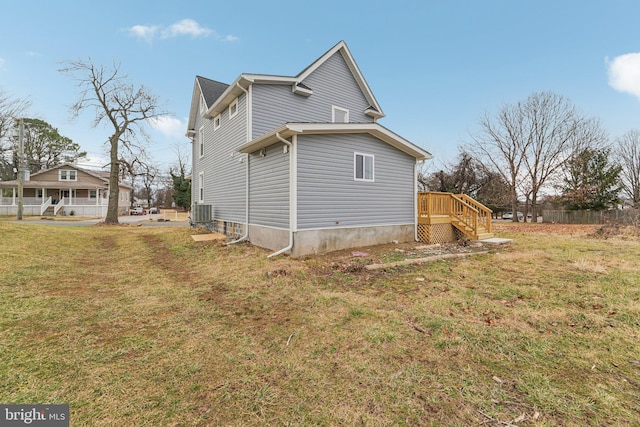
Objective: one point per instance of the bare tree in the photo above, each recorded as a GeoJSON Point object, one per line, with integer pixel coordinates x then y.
{"type": "Point", "coordinates": [126, 107]}
{"type": "Point", "coordinates": [500, 145]}
{"type": "Point", "coordinates": [627, 150]}
{"type": "Point", "coordinates": [529, 142]}
{"type": "Point", "coordinates": [10, 109]}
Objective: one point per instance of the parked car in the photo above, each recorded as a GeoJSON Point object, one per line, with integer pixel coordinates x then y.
{"type": "Point", "coordinates": [154, 210]}
{"type": "Point", "coordinates": [509, 215]}
{"type": "Point", "coordinates": [138, 210]}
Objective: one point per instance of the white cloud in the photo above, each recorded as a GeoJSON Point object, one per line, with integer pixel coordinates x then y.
{"type": "Point", "coordinates": [186, 27]}
{"type": "Point", "coordinates": [624, 73]}
{"type": "Point", "coordinates": [169, 126]}
{"type": "Point", "coordinates": [144, 32]}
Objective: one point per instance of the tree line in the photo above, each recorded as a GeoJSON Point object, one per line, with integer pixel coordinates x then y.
{"type": "Point", "coordinates": [542, 149]}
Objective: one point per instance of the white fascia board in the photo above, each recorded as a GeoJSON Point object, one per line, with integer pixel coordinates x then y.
{"type": "Point", "coordinates": [373, 129]}
{"type": "Point", "coordinates": [231, 93]}
{"type": "Point", "coordinates": [195, 101]}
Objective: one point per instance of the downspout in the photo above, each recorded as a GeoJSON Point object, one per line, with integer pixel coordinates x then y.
{"type": "Point", "coordinates": [246, 190]}
{"type": "Point", "coordinates": [291, 183]}
{"type": "Point", "coordinates": [415, 201]}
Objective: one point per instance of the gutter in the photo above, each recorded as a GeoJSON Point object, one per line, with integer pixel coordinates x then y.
{"type": "Point", "coordinates": [246, 196]}
{"type": "Point", "coordinates": [291, 187]}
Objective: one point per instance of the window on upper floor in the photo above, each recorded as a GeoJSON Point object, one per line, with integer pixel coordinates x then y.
{"type": "Point", "coordinates": [201, 187]}
{"type": "Point", "coordinates": [216, 122]}
{"type": "Point", "coordinates": [233, 108]}
{"type": "Point", "coordinates": [363, 167]}
{"type": "Point", "coordinates": [339, 115]}
{"type": "Point", "coordinates": [201, 141]}
{"type": "Point", "coordinates": [67, 175]}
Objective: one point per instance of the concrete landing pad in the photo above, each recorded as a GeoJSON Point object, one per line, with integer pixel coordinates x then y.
{"type": "Point", "coordinates": [208, 237]}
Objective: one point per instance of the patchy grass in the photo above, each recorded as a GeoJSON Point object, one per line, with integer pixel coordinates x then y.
{"type": "Point", "coordinates": [144, 326]}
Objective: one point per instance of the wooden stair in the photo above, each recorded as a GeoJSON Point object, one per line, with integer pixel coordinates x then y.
{"type": "Point", "coordinates": [464, 213]}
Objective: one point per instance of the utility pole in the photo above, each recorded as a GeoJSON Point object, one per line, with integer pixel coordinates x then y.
{"type": "Point", "coordinates": [20, 170]}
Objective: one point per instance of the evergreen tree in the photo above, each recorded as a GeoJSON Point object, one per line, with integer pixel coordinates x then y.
{"type": "Point", "coordinates": [181, 189]}
{"type": "Point", "coordinates": [591, 181]}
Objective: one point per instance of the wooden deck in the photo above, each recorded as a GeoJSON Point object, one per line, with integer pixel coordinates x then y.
{"type": "Point", "coordinates": [459, 210]}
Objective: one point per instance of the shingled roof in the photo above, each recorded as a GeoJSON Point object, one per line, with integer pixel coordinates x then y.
{"type": "Point", "coordinates": [211, 89]}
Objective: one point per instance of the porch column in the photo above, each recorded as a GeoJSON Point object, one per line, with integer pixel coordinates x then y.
{"type": "Point", "coordinates": [13, 199]}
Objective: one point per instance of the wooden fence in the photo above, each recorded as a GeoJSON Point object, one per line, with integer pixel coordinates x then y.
{"type": "Point", "coordinates": [623, 216]}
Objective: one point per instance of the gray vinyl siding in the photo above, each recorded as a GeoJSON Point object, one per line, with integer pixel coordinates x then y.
{"type": "Point", "coordinates": [269, 188]}
{"type": "Point", "coordinates": [329, 197]}
{"type": "Point", "coordinates": [332, 84]}
{"type": "Point", "coordinates": [224, 173]}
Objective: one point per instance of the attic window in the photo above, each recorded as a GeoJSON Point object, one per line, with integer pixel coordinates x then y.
{"type": "Point", "coordinates": [67, 175]}
{"type": "Point", "coordinates": [339, 115]}
{"type": "Point", "coordinates": [233, 108]}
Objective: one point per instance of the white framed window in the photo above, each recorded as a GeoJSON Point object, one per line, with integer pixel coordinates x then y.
{"type": "Point", "coordinates": [339, 115]}
{"type": "Point", "coordinates": [233, 108]}
{"type": "Point", "coordinates": [216, 122]}
{"type": "Point", "coordinates": [39, 193]}
{"type": "Point", "coordinates": [201, 187]}
{"type": "Point", "coordinates": [93, 194]}
{"type": "Point", "coordinates": [201, 141]}
{"type": "Point", "coordinates": [363, 165]}
{"type": "Point", "coordinates": [67, 175]}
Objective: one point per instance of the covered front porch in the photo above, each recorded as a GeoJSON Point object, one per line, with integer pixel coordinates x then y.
{"type": "Point", "coordinates": [447, 217]}
{"type": "Point", "coordinates": [52, 201]}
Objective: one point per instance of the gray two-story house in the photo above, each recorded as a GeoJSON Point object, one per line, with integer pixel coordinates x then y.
{"type": "Point", "coordinates": [299, 164]}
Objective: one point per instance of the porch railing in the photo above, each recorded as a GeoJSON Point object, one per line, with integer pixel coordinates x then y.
{"type": "Point", "coordinates": [45, 206]}
{"type": "Point", "coordinates": [58, 206]}
{"type": "Point", "coordinates": [462, 211]}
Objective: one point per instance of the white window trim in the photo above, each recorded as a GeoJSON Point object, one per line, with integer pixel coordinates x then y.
{"type": "Point", "coordinates": [68, 175]}
{"type": "Point", "coordinates": [233, 104]}
{"type": "Point", "coordinates": [373, 167]}
{"type": "Point", "coordinates": [201, 187]}
{"type": "Point", "coordinates": [333, 114]}
{"type": "Point", "coordinates": [201, 141]}
{"type": "Point", "coordinates": [217, 122]}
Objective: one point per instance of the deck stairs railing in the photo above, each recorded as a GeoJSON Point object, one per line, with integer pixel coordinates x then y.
{"type": "Point", "coordinates": [469, 216]}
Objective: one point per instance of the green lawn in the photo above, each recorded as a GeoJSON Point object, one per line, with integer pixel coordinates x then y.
{"type": "Point", "coordinates": [142, 326]}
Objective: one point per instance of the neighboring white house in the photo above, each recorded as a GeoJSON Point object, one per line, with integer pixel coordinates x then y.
{"type": "Point", "coordinates": [298, 164]}
{"type": "Point", "coordinates": [65, 189]}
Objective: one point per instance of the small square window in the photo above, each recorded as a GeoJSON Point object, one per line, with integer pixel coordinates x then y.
{"type": "Point", "coordinates": [233, 108]}
{"type": "Point", "coordinates": [216, 122]}
{"type": "Point", "coordinates": [363, 167]}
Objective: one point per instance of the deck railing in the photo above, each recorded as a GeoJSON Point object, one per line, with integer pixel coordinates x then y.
{"type": "Point", "coordinates": [463, 210]}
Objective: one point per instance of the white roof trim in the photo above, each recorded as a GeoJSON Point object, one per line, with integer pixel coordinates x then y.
{"type": "Point", "coordinates": [373, 129]}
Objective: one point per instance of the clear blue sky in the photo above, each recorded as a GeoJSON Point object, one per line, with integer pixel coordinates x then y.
{"type": "Point", "coordinates": [434, 66]}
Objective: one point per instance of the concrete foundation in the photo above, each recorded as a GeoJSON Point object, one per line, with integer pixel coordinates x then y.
{"type": "Point", "coordinates": [267, 237]}
{"type": "Point", "coordinates": [308, 242]}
